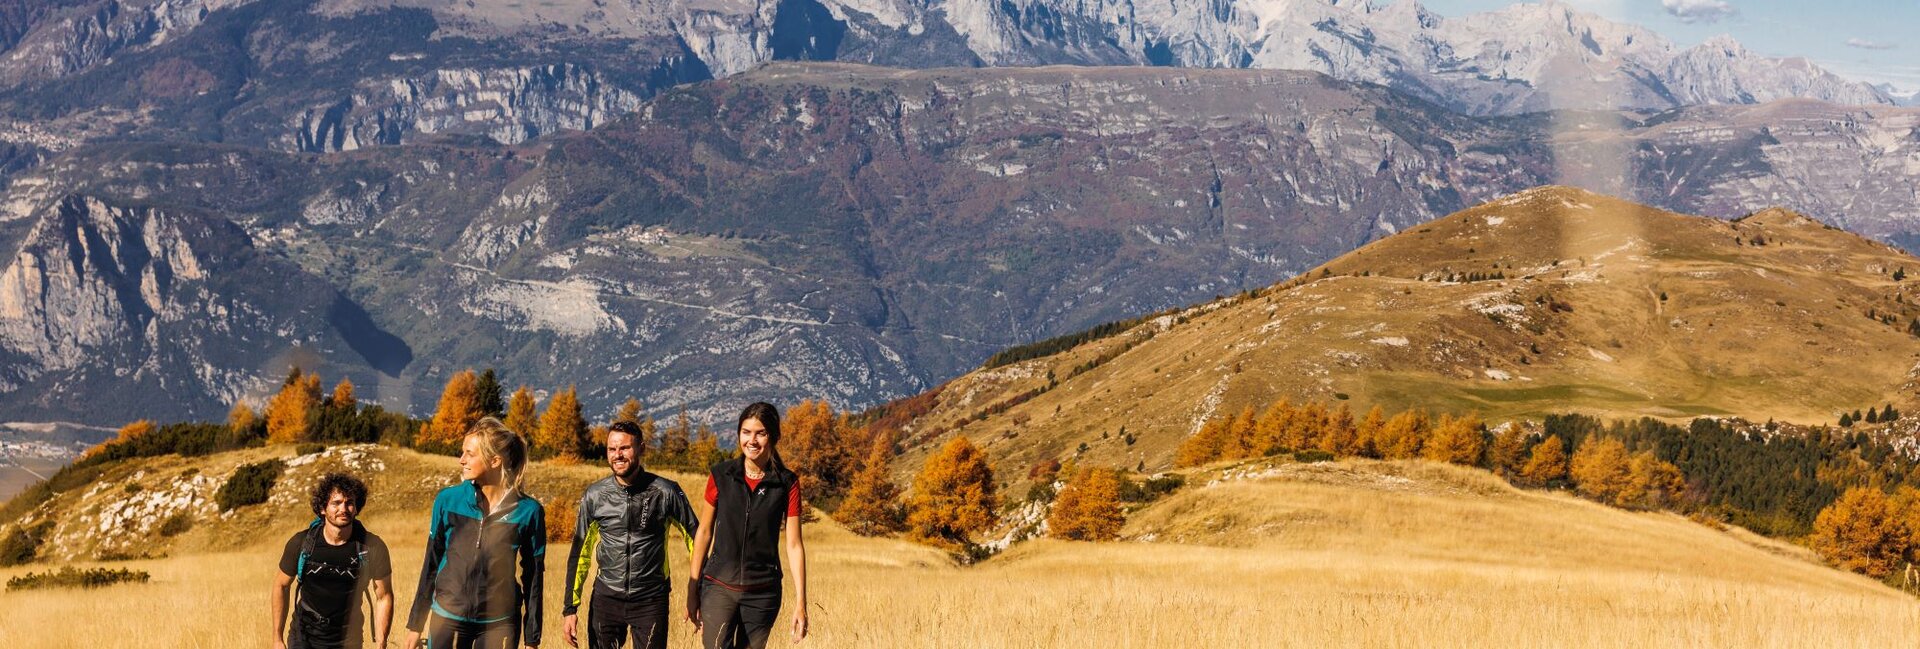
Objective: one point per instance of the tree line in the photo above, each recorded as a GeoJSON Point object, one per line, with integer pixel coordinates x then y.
{"type": "Point", "coordinates": [1849, 493]}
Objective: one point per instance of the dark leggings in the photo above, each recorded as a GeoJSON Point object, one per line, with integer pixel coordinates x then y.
{"type": "Point", "coordinates": [732, 619]}
{"type": "Point", "coordinates": [443, 633]}
{"type": "Point", "coordinates": [610, 620]}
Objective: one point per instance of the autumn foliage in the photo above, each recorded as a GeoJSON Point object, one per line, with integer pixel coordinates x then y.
{"type": "Point", "coordinates": [563, 429]}
{"type": "Point", "coordinates": [953, 495]}
{"type": "Point", "coordinates": [459, 408]}
{"type": "Point", "coordinates": [289, 411]}
{"type": "Point", "coordinates": [872, 506]}
{"type": "Point", "coordinates": [521, 417]}
{"type": "Point", "coordinates": [1860, 532]}
{"type": "Point", "coordinates": [1088, 507]}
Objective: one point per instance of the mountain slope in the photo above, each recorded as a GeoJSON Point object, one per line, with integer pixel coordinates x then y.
{"type": "Point", "coordinates": [1597, 305]}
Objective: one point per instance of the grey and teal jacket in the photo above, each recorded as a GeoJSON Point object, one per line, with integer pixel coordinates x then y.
{"type": "Point", "coordinates": [623, 529]}
{"type": "Point", "coordinates": [468, 574]}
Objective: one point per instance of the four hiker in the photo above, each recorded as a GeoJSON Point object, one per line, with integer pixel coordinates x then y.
{"type": "Point", "coordinates": [481, 579]}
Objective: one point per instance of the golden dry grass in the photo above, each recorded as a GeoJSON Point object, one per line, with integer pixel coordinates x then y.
{"type": "Point", "coordinates": [1364, 554]}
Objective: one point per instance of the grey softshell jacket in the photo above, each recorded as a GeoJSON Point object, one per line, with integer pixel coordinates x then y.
{"type": "Point", "coordinates": [624, 530]}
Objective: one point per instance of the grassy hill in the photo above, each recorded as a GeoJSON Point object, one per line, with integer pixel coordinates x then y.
{"type": "Point", "coordinates": [1549, 300]}
{"type": "Point", "coordinates": [1359, 553]}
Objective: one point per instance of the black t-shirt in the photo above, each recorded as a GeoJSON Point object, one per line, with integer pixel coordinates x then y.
{"type": "Point", "coordinates": [330, 588]}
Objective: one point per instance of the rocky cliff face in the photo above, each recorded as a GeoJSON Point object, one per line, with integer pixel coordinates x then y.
{"type": "Point", "coordinates": [329, 75]}
{"type": "Point", "coordinates": [862, 233]}
{"type": "Point", "coordinates": [109, 312]}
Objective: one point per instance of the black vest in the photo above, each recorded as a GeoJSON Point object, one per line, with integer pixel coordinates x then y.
{"type": "Point", "coordinates": [746, 526]}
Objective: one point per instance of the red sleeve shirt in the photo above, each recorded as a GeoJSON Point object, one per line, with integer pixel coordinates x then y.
{"type": "Point", "coordinates": [793, 495]}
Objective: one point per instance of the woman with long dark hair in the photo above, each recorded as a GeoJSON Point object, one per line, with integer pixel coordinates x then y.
{"type": "Point", "coordinates": [468, 598]}
{"type": "Point", "coordinates": [733, 596]}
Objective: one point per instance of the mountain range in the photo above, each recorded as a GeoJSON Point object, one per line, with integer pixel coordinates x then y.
{"type": "Point", "coordinates": [807, 230]}
{"type": "Point", "coordinates": [329, 75]}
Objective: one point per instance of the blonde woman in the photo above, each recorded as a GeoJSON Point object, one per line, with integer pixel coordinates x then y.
{"type": "Point", "coordinates": [468, 598]}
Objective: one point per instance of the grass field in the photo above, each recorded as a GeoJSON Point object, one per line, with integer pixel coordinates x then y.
{"type": "Point", "coordinates": [1364, 554]}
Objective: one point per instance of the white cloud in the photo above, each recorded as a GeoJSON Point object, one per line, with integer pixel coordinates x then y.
{"type": "Point", "coordinates": [1869, 45]}
{"type": "Point", "coordinates": [1698, 11]}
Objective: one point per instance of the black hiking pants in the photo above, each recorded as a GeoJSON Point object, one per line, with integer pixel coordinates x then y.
{"type": "Point", "coordinates": [610, 620]}
{"type": "Point", "coordinates": [735, 619]}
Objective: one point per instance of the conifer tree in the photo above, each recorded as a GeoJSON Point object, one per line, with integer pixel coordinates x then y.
{"type": "Point", "coordinates": [705, 451]}
{"type": "Point", "coordinates": [241, 419]}
{"type": "Point", "coordinates": [1456, 440]}
{"type": "Point", "coordinates": [126, 435]}
{"type": "Point", "coordinates": [342, 395]}
{"type": "Point", "coordinates": [1269, 429]}
{"type": "Point", "coordinates": [872, 506]}
{"type": "Point", "coordinates": [1088, 507]}
{"type": "Point", "coordinates": [1651, 482]}
{"type": "Point", "coordinates": [1368, 432]}
{"type": "Point", "coordinates": [1599, 468]}
{"type": "Point", "coordinates": [1204, 445]}
{"type": "Point", "coordinates": [1340, 437]}
{"type": "Point", "coordinates": [1860, 532]}
{"type": "Point", "coordinates": [459, 407]}
{"type": "Point", "coordinates": [563, 430]}
{"type": "Point", "coordinates": [492, 402]}
{"type": "Point", "coordinates": [1547, 463]}
{"type": "Point", "coordinates": [630, 411]}
{"type": "Point", "coordinates": [811, 444]}
{"type": "Point", "coordinates": [1239, 441]}
{"type": "Point", "coordinates": [1401, 437]}
{"type": "Point", "coordinates": [288, 412]}
{"type": "Point", "coordinates": [1308, 424]}
{"type": "Point", "coordinates": [522, 417]}
{"type": "Point", "coordinates": [1508, 455]}
{"type": "Point", "coordinates": [953, 495]}
{"type": "Point", "coordinates": [678, 438]}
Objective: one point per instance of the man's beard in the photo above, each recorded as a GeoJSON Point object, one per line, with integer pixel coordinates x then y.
{"type": "Point", "coordinates": [633, 468]}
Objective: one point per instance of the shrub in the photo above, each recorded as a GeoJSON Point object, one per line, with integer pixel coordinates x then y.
{"type": "Point", "coordinates": [20, 545]}
{"type": "Point", "coordinates": [1151, 489]}
{"type": "Point", "coordinates": [68, 577]}
{"type": "Point", "coordinates": [250, 485]}
{"type": "Point", "coordinates": [176, 525]}
{"type": "Point", "coordinates": [309, 449]}
{"type": "Point", "coordinates": [1313, 455]}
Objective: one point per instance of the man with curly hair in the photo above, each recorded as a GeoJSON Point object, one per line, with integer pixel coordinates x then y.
{"type": "Point", "coordinates": [335, 560]}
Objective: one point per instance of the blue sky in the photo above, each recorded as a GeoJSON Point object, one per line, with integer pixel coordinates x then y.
{"type": "Point", "coordinates": [1875, 41]}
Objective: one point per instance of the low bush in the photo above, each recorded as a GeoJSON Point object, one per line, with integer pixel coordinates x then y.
{"type": "Point", "coordinates": [176, 525]}
{"type": "Point", "coordinates": [19, 546]}
{"type": "Point", "coordinates": [68, 577]}
{"type": "Point", "coordinates": [1151, 489]}
{"type": "Point", "coordinates": [250, 485]}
